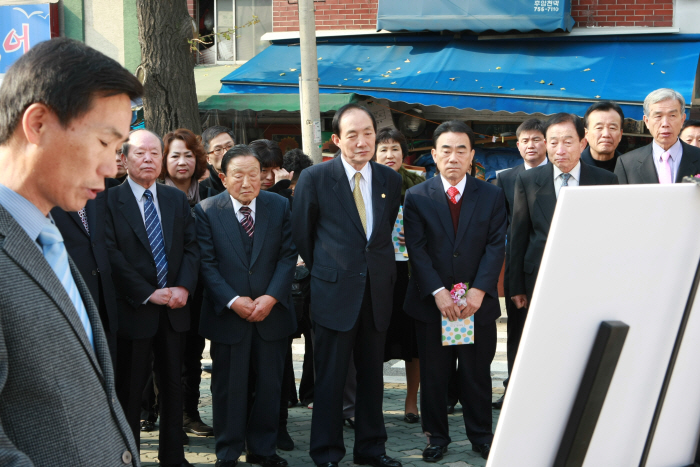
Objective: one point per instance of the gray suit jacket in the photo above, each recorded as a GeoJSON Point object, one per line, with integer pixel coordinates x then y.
{"type": "Point", "coordinates": [638, 166]}
{"type": "Point", "coordinates": [58, 405]}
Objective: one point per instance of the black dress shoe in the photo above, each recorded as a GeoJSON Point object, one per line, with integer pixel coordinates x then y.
{"type": "Point", "coordinates": [411, 418]}
{"type": "Point", "coordinates": [196, 426]}
{"type": "Point", "coordinates": [433, 453]}
{"type": "Point", "coordinates": [182, 464]}
{"type": "Point", "coordinates": [376, 461]}
{"type": "Point", "coordinates": [284, 441]}
{"type": "Point", "coordinates": [450, 409]}
{"type": "Point", "coordinates": [349, 422]}
{"type": "Point", "coordinates": [147, 425]}
{"type": "Point", "coordinates": [266, 461]}
{"type": "Point", "coordinates": [222, 463]}
{"type": "Point", "coordinates": [327, 464]}
{"type": "Point", "coordinates": [484, 449]}
{"type": "Point", "coordinates": [499, 403]}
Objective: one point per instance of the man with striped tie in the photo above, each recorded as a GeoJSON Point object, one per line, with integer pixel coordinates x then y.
{"type": "Point", "coordinates": [153, 250]}
{"type": "Point", "coordinates": [248, 262]}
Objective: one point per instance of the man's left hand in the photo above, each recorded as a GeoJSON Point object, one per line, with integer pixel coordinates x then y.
{"type": "Point", "coordinates": [263, 306]}
{"type": "Point", "coordinates": [474, 299]}
{"type": "Point", "coordinates": [178, 297]}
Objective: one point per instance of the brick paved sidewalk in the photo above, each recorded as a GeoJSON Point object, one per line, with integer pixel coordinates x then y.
{"type": "Point", "coordinates": [406, 441]}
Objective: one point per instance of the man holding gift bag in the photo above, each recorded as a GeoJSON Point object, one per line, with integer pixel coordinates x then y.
{"type": "Point", "coordinates": [455, 233]}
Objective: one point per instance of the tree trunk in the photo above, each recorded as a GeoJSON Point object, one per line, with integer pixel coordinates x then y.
{"type": "Point", "coordinates": [170, 96]}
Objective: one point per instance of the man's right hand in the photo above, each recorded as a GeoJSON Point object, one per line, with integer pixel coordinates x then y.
{"type": "Point", "coordinates": [519, 300]}
{"type": "Point", "coordinates": [446, 305]}
{"type": "Point", "coordinates": [243, 306]}
{"type": "Point", "coordinates": [160, 296]}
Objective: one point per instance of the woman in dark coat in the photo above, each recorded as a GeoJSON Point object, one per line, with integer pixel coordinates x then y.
{"type": "Point", "coordinates": [401, 338]}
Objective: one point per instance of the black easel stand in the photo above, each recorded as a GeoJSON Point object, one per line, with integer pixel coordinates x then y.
{"type": "Point", "coordinates": [591, 393]}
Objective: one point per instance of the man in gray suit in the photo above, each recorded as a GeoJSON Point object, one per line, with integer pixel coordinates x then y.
{"type": "Point", "coordinates": [248, 262]}
{"type": "Point", "coordinates": [65, 110]}
{"type": "Point", "coordinates": [667, 159]}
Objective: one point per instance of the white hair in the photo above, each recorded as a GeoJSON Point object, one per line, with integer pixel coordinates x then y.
{"type": "Point", "coordinates": [662, 95]}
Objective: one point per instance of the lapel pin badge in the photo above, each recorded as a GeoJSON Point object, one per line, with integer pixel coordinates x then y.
{"type": "Point", "coordinates": [383, 195]}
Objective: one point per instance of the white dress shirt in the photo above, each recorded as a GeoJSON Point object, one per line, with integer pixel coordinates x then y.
{"type": "Point", "coordinates": [544, 162]}
{"type": "Point", "coordinates": [461, 185]}
{"type": "Point", "coordinates": [365, 189]}
{"type": "Point", "coordinates": [574, 180]}
{"type": "Point", "coordinates": [674, 161]}
{"type": "Point", "coordinates": [138, 191]}
{"type": "Point", "coordinates": [237, 209]}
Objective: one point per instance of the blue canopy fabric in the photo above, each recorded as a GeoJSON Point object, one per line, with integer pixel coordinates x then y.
{"type": "Point", "coordinates": [475, 15]}
{"type": "Point", "coordinates": [531, 76]}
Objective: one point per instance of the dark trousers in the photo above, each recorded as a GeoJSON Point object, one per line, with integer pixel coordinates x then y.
{"type": "Point", "coordinates": [514, 327]}
{"type": "Point", "coordinates": [332, 351]}
{"type": "Point", "coordinates": [133, 370]}
{"type": "Point", "coordinates": [306, 385]}
{"type": "Point", "coordinates": [474, 382]}
{"type": "Point", "coordinates": [192, 371]}
{"type": "Point", "coordinates": [234, 428]}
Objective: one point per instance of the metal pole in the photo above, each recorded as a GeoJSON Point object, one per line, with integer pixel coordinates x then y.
{"type": "Point", "coordinates": [310, 109]}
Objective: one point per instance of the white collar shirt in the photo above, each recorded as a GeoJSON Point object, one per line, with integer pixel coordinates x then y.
{"type": "Point", "coordinates": [365, 189]}
{"type": "Point", "coordinates": [138, 192]}
{"type": "Point", "coordinates": [237, 208]}
{"type": "Point", "coordinates": [674, 161]}
{"type": "Point", "coordinates": [461, 185]}
{"type": "Point", "coordinates": [544, 162]}
{"type": "Point", "coordinates": [574, 180]}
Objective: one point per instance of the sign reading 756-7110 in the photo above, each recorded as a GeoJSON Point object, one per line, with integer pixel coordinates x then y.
{"type": "Point", "coordinates": [546, 5]}
{"type": "Point", "coordinates": [22, 27]}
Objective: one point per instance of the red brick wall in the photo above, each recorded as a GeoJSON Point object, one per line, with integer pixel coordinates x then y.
{"type": "Point", "coordinates": [192, 8]}
{"type": "Point", "coordinates": [652, 13]}
{"type": "Point", "coordinates": [330, 14]}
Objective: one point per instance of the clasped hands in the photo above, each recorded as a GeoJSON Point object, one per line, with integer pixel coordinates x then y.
{"type": "Point", "coordinates": [174, 297]}
{"type": "Point", "coordinates": [256, 310]}
{"type": "Point", "coordinates": [452, 311]}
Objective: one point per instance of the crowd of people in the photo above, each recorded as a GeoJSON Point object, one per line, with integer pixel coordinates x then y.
{"type": "Point", "coordinates": [107, 296]}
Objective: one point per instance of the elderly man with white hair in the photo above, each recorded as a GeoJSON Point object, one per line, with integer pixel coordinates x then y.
{"type": "Point", "coordinates": [667, 159]}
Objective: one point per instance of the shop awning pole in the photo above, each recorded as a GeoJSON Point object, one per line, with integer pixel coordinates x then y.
{"type": "Point", "coordinates": [310, 109]}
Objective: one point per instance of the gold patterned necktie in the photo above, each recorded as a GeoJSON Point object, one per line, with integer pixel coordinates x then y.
{"type": "Point", "coordinates": [359, 201]}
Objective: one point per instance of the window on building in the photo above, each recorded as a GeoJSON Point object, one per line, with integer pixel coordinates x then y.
{"type": "Point", "coordinates": [245, 42]}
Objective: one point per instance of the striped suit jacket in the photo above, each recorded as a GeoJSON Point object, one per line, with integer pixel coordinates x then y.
{"type": "Point", "coordinates": [58, 405]}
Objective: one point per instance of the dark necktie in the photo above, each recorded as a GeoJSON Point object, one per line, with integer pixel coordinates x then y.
{"type": "Point", "coordinates": [155, 238]}
{"type": "Point", "coordinates": [565, 179]}
{"type": "Point", "coordinates": [247, 221]}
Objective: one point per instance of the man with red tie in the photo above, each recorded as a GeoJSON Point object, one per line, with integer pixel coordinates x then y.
{"type": "Point", "coordinates": [455, 232]}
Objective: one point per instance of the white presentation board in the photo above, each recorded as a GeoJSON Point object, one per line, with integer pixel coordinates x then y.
{"type": "Point", "coordinates": [626, 253]}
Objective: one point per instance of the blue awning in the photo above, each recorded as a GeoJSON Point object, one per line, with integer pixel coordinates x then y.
{"type": "Point", "coordinates": [475, 15]}
{"type": "Point", "coordinates": [531, 76]}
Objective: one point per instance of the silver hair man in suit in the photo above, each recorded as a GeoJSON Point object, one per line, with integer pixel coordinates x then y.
{"type": "Point", "coordinates": [248, 262]}
{"type": "Point", "coordinates": [667, 159]}
{"type": "Point", "coordinates": [66, 109]}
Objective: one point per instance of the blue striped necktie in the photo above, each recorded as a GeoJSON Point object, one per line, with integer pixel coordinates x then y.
{"type": "Point", "coordinates": [56, 255]}
{"type": "Point", "coordinates": [155, 238]}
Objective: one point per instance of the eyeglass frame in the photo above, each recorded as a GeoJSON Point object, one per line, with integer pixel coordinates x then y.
{"type": "Point", "coordinates": [221, 149]}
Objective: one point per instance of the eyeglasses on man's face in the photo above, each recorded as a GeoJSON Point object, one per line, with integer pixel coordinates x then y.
{"type": "Point", "coordinates": [219, 150]}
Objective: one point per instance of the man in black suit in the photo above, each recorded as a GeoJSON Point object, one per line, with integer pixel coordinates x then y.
{"type": "Point", "coordinates": [603, 123]}
{"type": "Point", "coordinates": [667, 159]}
{"type": "Point", "coordinates": [154, 254]}
{"type": "Point", "coordinates": [216, 141]}
{"type": "Point", "coordinates": [536, 193]}
{"type": "Point", "coordinates": [248, 262]}
{"type": "Point", "coordinates": [455, 232]}
{"type": "Point", "coordinates": [84, 236]}
{"type": "Point", "coordinates": [533, 149]}
{"type": "Point", "coordinates": [344, 212]}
